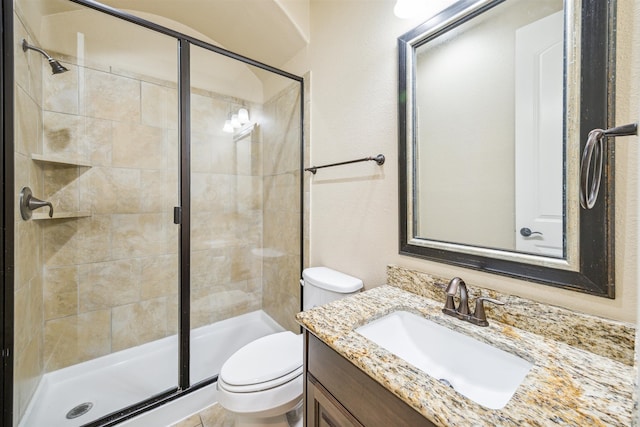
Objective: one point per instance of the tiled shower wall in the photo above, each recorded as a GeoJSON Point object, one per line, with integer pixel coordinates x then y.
{"type": "Point", "coordinates": [110, 278]}
{"type": "Point", "coordinates": [281, 276]}
{"type": "Point", "coordinates": [28, 258]}
{"type": "Point", "coordinates": [107, 280]}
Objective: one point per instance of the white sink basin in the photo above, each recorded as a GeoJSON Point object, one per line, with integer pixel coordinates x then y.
{"type": "Point", "coordinates": [485, 374]}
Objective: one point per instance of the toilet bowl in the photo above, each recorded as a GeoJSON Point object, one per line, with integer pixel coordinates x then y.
{"type": "Point", "coordinates": [263, 381]}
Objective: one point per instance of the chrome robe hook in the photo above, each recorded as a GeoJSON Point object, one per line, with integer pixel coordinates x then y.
{"type": "Point", "coordinates": [592, 160]}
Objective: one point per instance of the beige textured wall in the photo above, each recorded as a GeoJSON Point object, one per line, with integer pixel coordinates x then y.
{"type": "Point", "coordinates": [354, 221]}
{"type": "Point", "coordinates": [110, 277]}
{"type": "Point", "coordinates": [28, 305]}
{"type": "Point", "coordinates": [281, 255]}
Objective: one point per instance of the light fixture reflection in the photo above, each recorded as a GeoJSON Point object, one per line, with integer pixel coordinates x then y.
{"type": "Point", "coordinates": [243, 115]}
{"type": "Point", "coordinates": [237, 122]}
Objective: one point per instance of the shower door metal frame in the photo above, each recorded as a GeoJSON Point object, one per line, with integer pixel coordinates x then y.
{"type": "Point", "coordinates": [7, 212]}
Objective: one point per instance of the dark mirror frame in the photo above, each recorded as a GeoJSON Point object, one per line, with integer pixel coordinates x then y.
{"type": "Point", "coordinates": [596, 240]}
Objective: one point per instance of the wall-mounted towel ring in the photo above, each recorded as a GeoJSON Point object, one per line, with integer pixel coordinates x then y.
{"type": "Point", "coordinates": [592, 159]}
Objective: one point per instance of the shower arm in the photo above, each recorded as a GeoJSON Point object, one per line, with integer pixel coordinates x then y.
{"type": "Point", "coordinates": [26, 46]}
{"type": "Point", "coordinates": [56, 67]}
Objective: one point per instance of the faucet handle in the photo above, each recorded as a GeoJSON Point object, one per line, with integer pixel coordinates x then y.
{"type": "Point", "coordinates": [479, 317]}
{"type": "Point", "coordinates": [451, 290]}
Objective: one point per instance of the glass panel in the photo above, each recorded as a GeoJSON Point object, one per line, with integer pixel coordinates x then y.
{"type": "Point", "coordinates": [245, 207]}
{"type": "Point", "coordinates": [97, 284]}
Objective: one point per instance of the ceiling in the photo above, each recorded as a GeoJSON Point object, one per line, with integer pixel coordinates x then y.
{"type": "Point", "coordinates": [268, 31]}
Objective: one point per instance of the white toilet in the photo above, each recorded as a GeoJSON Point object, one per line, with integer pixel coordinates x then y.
{"type": "Point", "coordinates": [260, 383]}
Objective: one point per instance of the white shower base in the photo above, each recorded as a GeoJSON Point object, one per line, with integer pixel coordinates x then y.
{"type": "Point", "coordinates": [129, 376]}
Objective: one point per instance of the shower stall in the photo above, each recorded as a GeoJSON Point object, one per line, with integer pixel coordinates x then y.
{"type": "Point", "coordinates": [172, 170]}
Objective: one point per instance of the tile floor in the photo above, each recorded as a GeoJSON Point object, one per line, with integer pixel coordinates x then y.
{"type": "Point", "coordinates": [213, 416]}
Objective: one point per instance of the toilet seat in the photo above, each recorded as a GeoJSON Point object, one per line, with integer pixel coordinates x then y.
{"type": "Point", "coordinates": [263, 364]}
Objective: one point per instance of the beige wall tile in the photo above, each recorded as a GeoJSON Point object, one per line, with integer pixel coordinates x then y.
{"type": "Point", "coordinates": [281, 290]}
{"type": "Point", "coordinates": [27, 252]}
{"type": "Point", "coordinates": [93, 239]}
{"type": "Point", "coordinates": [60, 91]}
{"type": "Point", "coordinates": [77, 241]}
{"type": "Point", "coordinates": [139, 323]}
{"type": "Point", "coordinates": [152, 196]}
{"type": "Point", "coordinates": [282, 231]}
{"type": "Point", "coordinates": [208, 114]}
{"type": "Point", "coordinates": [117, 190]}
{"type": "Point", "coordinates": [159, 277]}
{"type": "Point", "coordinates": [138, 146]}
{"type": "Point", "coordinates": [63, 135]}
{"type": "Point", "coordinates": [224, 157]}
{"type": "Point", "coordinates": [210, 267]}
{"type": "Point", "coordinates": [108, 284]}
{"type": "Point", "coordinates": [213, 230]}
{"type": "Point", "coordinates": [102, 188]}
{"type": "Point", "coordinates": [28, 370]}
{"type": "Point", "coordinates": [159, 106]}
{"type": "Point", "coordinates": [60, 247]}
{"type": "Point", "coordinates": [28, 124]}
{"type": "Point", "coordinates": [138, 235]}
{"type": "Point", "coordinates": [20, 58]}
{"type": "Point", "coordinates": [97, 141]}
{"type": "Point", "coordinates": [282, 192]}
{"type": "Point", "coordinates": [75, 339]}
{"type": "Point", "coordinates": [202, 148]}
{"type": "Point", "coordinates": [249, 196]}
{"type": "Point", "coordinates": [61, 188]}
{"type": "Point", "coordinates": [108, 96]}
{"type": "Point", "coordinates": [22, 317]}
{"type": "Point", "coordinates": [244, 264]}
{"type": "Point", "coordinates": [60, 292]}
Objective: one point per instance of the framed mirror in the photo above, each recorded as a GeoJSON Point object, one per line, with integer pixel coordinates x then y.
{"type": "Point", "coordinates": [496, 99]}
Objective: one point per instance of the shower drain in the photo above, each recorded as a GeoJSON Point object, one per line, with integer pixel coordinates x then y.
{"type": "Point", "coordinates": [81, 409]}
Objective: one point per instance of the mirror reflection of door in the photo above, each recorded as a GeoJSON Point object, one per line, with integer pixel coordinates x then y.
{"type": "Point", "coordinates": [539, 139]}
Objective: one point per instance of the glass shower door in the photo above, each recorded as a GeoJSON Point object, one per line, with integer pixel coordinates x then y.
{"type": "Point", "coordinates": [96, 290]}
{"type": "Point", "coordinates": [245, 206]}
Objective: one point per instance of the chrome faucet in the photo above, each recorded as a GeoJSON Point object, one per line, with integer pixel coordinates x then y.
{"type": "Point", "coordinates": [479, 317]}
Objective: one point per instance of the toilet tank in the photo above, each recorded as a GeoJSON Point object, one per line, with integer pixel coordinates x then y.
{"type": "Point", "coordinates": [323, 285]}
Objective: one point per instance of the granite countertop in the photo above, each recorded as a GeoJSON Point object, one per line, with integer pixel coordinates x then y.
{"type": "Point", "coordinates": [567, 385]}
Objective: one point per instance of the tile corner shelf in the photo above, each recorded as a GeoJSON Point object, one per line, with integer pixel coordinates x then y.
{"type": "Point", "coordinates": [61, 215]}
{"type": "Point", "coordinates": [59, 160]}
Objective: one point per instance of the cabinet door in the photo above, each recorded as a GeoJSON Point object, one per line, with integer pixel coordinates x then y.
{"type": "Point", "coordinates": [323, 410]}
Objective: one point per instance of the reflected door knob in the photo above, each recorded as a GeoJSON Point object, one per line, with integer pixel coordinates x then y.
{"type": "Point", "coordinates": [526, 232]}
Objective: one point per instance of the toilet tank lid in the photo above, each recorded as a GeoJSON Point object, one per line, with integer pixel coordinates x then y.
{"type": "Point", "coordinates": [331, 280]}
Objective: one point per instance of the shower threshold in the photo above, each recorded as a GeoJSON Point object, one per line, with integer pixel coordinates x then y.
{"type": "Point", "coordinates": [95, 388]}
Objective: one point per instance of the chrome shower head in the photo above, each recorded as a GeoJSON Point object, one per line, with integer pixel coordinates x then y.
{"type": "Point", "coordinates": [56, 67]}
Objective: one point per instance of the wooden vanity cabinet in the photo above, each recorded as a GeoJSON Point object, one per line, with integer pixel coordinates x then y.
{"type": "Point", "coordinates": [338, 394]}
